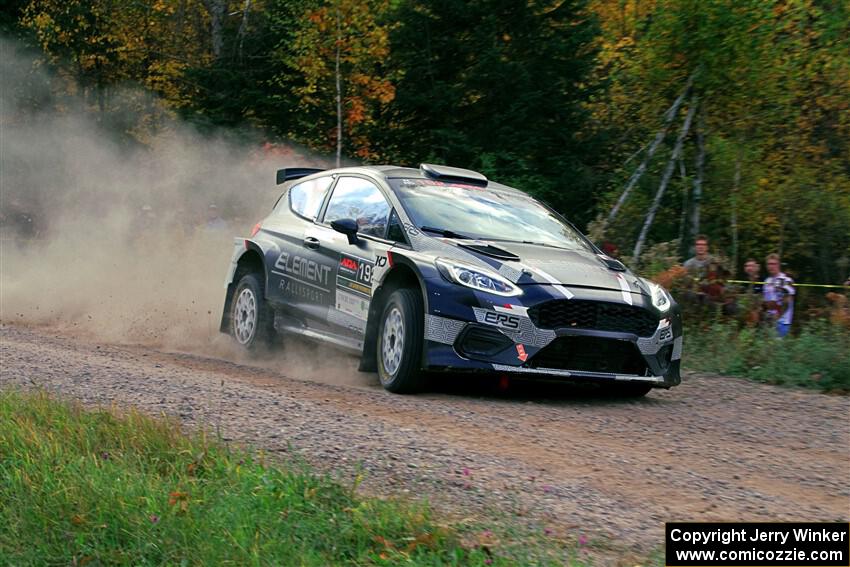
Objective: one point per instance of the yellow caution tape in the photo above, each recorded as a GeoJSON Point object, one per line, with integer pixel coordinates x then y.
{"type": "Point", "coordinates": [794, 284]}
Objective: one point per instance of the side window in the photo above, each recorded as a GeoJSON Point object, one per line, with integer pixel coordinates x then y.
{"type": "Point", "coordinates": [395, 231]}
{"type": "Point", "coordinates": [359, 199]}
{"type": "Point", "coordinates": [306, 198]}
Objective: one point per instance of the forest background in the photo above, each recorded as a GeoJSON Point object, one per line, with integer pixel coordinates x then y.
{"type": "Point", "coordinates": [645, 122]}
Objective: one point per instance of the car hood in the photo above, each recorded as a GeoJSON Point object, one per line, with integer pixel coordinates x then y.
{"type": "Point", "coordinates": [550, 265]}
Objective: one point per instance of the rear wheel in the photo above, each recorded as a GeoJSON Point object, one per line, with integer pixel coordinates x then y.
{"type": "Point", "coordinates": [399, 344]}
{"type": "Point", "coordinates": [251, 319]}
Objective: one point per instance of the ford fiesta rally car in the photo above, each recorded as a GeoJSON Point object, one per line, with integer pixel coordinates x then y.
{"type": "Point", "coordinates": [439, 269]}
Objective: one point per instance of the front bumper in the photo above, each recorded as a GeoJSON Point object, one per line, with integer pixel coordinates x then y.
{"type": "Point", "coordinates": [473, 331]}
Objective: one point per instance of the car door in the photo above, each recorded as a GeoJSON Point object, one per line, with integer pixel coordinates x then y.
{"type": "Point", "coordinates": [299, 280]}
{"type": "Point", "coordinates": [360, 199]}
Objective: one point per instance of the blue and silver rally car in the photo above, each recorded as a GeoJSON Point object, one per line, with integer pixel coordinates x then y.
{"type": "Point", "coordinates": [439, 269]}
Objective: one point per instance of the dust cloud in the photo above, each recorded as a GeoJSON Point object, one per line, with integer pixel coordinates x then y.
{"type": "Point", "coordinates": [122, 241]}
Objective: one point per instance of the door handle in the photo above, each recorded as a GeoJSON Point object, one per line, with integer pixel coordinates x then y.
{"type": "Point", "coordinates": [311, 242]}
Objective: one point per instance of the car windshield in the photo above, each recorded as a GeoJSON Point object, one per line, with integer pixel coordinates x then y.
{"type": "Point", "coordinates": [484, 213]}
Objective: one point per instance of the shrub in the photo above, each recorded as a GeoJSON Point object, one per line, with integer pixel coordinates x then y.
{"type": "Point", "coordinates": [817, 357]}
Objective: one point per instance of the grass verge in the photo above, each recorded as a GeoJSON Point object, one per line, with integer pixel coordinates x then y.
{"type": "Point", "coordinates": [815, 358]}
{"type": "Point", "coordinates": [99, 487]}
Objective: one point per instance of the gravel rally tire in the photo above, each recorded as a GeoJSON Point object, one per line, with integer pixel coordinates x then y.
{"type": "Point", "coordinates": [399, 344]}
{"type": "Point", "coordinates": [251, 319]}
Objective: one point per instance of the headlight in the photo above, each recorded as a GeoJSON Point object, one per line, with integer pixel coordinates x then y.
{"type": "Point", "coordinates": [481, 279]}
{"type": "Point", "coordinates": [660, 297]}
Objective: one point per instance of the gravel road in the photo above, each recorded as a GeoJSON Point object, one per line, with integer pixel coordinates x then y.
{"type": "Point", "coordinates": [546, 457]}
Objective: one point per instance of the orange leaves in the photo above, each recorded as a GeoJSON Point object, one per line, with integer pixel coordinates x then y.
{"type": "Point", "coordinates": [351, 30]}
{"type": "Point", "coordinates": [179, 500]}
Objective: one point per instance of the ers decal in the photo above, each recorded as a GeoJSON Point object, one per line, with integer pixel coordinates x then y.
{"type": "Point", "coordinates": [502, 320]}
{"type": "Point", "coordinates": [520, 353]}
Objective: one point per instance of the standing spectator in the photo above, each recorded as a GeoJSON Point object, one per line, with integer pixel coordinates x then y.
{"type": "Point", "coordinates": [214, 220]}
{"type": "Point", "coordinates": [698, 265]}
{"type": "Point", "coordinates": [750, 296]}
{"type": "Point", "coordinates": [753, 271]}
{"type": "Point", "coordinates": [779, 295]}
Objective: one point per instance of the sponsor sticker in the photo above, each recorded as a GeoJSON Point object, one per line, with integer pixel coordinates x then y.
{"type": "Point", "coordinates": [354, 286]}
{"type": "Point", "coordinates": [501, 320]}
{"type": "Point", "coordinates": [354, 305]}
{"type": "Point", "coordinates": [355, 275]}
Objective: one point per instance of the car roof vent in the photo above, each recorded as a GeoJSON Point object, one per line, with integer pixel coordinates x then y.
{"type": "Point", "coordinates": [452, 174]}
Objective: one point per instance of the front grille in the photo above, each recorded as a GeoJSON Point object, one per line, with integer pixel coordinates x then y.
{"type": "Point", "coordinates": [597, 315]}
{"type": "Point", "coordinates": [590, 354]}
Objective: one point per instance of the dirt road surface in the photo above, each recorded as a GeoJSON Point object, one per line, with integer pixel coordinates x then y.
{"type": "Point", "coordinates": [545, 457]}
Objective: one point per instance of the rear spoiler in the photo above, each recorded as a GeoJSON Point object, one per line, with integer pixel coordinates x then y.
{"type": "Point", "coordinates": [290, 173]}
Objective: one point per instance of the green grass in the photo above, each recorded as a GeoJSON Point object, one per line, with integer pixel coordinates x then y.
{"type": "Point", "coordinates": [103, 488]}
{"type": "Point", "coordinates": [818, 357]}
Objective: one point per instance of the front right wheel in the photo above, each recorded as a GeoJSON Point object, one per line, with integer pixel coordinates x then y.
{"type": "Point", "coordinates": [399, 343]}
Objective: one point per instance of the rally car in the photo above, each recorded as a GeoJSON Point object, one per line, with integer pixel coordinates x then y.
{"type": "Point", "coordinates": [440, 269]}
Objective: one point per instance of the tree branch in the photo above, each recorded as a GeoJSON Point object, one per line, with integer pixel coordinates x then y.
{"type": "Point", "coordinates": [659, 137]}
{"type": "Point", "coordinates": [668, 173]}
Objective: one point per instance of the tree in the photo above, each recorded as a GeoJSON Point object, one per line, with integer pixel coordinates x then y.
{"type": "Point", "coordinates": [499, 86]}
{"type": "Point", "coordinates": [338, 49]}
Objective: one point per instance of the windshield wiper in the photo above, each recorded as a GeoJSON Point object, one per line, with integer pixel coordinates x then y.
{"type": "Point", "coordinates": [445, 232]}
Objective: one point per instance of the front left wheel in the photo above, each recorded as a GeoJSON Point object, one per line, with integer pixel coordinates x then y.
{"type": "Point", "coordinates": [251, 319]}
{"type": "Point", "coordinates": [399, 342]}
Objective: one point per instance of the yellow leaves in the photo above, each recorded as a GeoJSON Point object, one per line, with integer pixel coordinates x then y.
{"type": "Point", "coordinates": [362, 42]}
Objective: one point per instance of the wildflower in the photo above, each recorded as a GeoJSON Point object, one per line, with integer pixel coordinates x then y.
{"type": "Point", "coordinates": [582, 540]}
{"type": "Point", "coordinates": [153, 518]}
{"type": "Point", "coordinates": [547, 531]}
{"type": "Point", "coordinates": [465, 471]}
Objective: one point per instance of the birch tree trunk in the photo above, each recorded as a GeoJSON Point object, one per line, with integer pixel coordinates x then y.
{"type": "Point", "coordinates": [659, 137]}
{"type": "Point", "coordinates": [338, 90]}
{"type": "Point", "coordinates": [736, 182]}
{"type": "Point", "coordinates": [216, 9]}
{"type": "Point", "coordinates": [243, 29]}
{"type": "Point", "coordinates": [683, 217]}
{"type": "Point", "coordinates": [665, 179]}
{"type": "Point", "coordinates": [700, 165]}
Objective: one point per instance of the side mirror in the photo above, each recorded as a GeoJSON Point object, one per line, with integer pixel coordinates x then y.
{"type": "Point", "coordinates": [346, 226]}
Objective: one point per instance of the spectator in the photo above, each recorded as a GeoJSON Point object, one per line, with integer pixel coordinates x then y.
{"type": "Point", "coordinates": [753, 271]}
{"type": "Point", "coordinates": [610, 249]}
{"type": "Point", "coordinates": [750, 294]}
{"type": "Point", "coordinates": [214, 220]}
{"type": "Point", "coordinates": [698, 265]}
{"type": "Point", "coordinates": [778, 296]}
